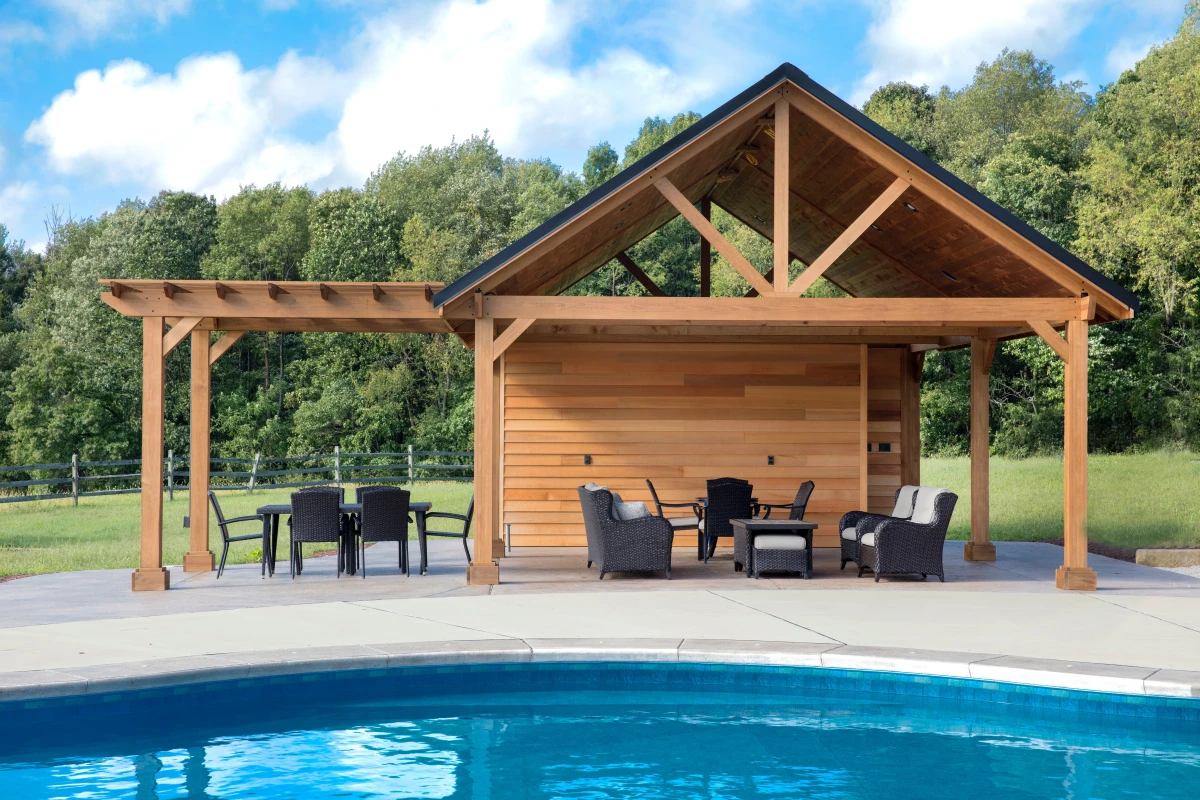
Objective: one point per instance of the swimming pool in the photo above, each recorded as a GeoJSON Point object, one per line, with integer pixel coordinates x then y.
{"type": "Point", "coordinates": [601, 730]}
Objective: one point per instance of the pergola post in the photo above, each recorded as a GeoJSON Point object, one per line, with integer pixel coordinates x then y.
{"type": "Point", "coordinates": [497, 454]}
{"type": "Point", "coordinates": [1075, 573]}
{"type": "Point", "coordinates": [483, 569]}
{"type": "Point", "coordinates": [782, 213]}
{"type": "Point", "coordinates": [150, 575]}
{"type": "Point", "coordinates": [864, 469]}
{"type": "Point", "coordinates": [705, 252]}
{"type": "Point", "coordinates": [980, 548]}
{"type": "Point", "coordinates": [911, 365]}
{"type": "Point", "coordinates": [199, 557]}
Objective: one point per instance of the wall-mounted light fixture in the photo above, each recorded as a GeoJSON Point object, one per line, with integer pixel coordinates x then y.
{"type": "Point", "coordinates": [587, 460]}
{"type": "Point", "coordinates": [770, 461]}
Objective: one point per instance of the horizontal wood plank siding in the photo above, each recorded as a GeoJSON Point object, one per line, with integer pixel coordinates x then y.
{"type": "Point", "coordinates": [682, 413]}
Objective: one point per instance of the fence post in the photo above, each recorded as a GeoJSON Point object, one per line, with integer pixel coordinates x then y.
{"type": "Point", "coordinates": [75, 479]}
{"type": "Point", "coordinates": [254, 472]}
{"type": "Point", "coordinates": [337, 465]}
{"type": "Point", "coordinates": [410, 467]}
{"type": "Point", "coordinates": [170, 474]}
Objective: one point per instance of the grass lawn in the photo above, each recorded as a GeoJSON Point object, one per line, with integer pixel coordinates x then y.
{"type": "Point", "coordinates": [1135, 501]}
{"type": "Point", "coordinates": [102, 532]}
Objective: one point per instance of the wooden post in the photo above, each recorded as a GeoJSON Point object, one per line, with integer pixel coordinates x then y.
{"type": "Point", "coordinates": [199, 558]}
{"type": "Point", "coordinates": [911, 365]}
{"type": "Point", "coordinates": [483, 570]}
{"type": "Point", "coordinates": [254, 472]}
{"type": "Point", "coordinates": [498, 454]}
{"type": "Point", "coordinates": [75, 479]}
{"type": "Point", "coordinates": [864, 495]}
{"type": "Point", "coordinates": [782, 214]}
{"type": "Point", "coordinates": [705, 253]}
{"type": "Point", "coordinates": [980, 548]}
{"type": "Point", "coordinates": [150, 575]}
{"type": "Point", "coordinates": [1075, 573]}
{"type": "Point", "coordinates": [337, 465]}
{"type": "Point", "coordinates": [410, 468]}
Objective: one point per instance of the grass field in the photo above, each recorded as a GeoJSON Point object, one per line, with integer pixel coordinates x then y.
{"type": "Point", "coordinates": [101, 533]}
{"type": "Point", "coordinates": [1135, 501]}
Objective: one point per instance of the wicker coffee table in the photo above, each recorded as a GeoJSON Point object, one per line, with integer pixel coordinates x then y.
{"type": "Point", "coordinates": [792, 558]}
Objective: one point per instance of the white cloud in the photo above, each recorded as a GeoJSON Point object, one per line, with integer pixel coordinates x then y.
{"type": "Point", "coordinates": [93, 18]}
{"type": "Point", "coordinates": [1126, 53]}
{"type": "Point", "coordinates": [940, 42]}
{"type": "Point", "coordinates": [501, 65]}
{"type": "Point", "coordinates": [21, 203]}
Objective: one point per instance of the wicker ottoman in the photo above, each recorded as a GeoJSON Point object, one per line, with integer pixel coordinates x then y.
{"type": "Point", "coordinates": [782, 552]}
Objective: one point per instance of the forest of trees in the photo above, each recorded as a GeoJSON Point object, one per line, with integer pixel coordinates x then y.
{"type": "Point", "coordinates": [1113, 177]}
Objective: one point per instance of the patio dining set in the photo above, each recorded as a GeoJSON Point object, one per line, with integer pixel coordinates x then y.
{"type": "Point", "coordinates": [320, 515]}
{"type": "Point", "coordinates": [628, 537]}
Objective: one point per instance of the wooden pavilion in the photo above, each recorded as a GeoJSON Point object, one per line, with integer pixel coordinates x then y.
{"type": "Point", "coordinates": [772, 387]}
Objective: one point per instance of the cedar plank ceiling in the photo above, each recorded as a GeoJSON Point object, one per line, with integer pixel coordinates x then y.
{"type": "Point", "coordinates": [831, 183]}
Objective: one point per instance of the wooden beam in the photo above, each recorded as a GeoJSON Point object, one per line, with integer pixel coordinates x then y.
{"type": "Point", "coordinates": [952, 201]}
{"type": "Point", "coordinates": [974, 311]}
{"type": "Point", "coordinates": [510, 335]}
{"type": "Point", "coordinates": [782, 209]}
{"type": "Point", "coordinates": [706, 229]}
{"type": "Point", "coordinates": [150, 575]}
{"type": "Point", "coordinates": [1050, 337]}
{"type": "Point", "coordinates": [1075, 573]}
{"type": "Point", "coordinates": [637, 272]}
{"type": "Point", "coordinates": [705, 251]}
{"type": "Point", "coordinates": [177, 333]}
{"type": "Point", "coordinates": [482, 569]}
{"type": "Point", "coordinates": [849, 236]}
{"type": "Point", "coordinates": [980, 547]}
{"type": "Point", "coordinates": [199, 557]}
{"type": "Point", "coordinates": [223, 344]}
{"type": "Point", "coordinates": [911, 365]}
{"type": "Point", "coordinates": [864, 472]}
{"type": "Point", "coordinates": [273, 300]}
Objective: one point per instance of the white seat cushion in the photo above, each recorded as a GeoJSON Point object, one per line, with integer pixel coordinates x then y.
{"type": "Point", "coordinates": [923, 509]}
{"type": "Point", "coordinates": [683, 522]}
{"type": "Point", "coordinates": [849, 534]}
{"type": "Point", "coordinates": [869, 539]}
{"type": "Point", "coordinates": [702, 525]}
{"type": "Point", "coordinates": [779, 541]}
{"type": "Point", "coordinates": [628, 511]}
{"type": "Point", "coordinates": [905, 501]}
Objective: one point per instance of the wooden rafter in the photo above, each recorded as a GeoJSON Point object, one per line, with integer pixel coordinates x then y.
{"type": "Point", "coordinates": [708, 231]}
{"type": "Point", "coordinates": [640, 274]}
{"type": "Point", "coordinates": [849, 236]}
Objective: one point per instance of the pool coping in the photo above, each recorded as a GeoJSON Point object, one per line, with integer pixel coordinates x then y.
{"type": "Point", "coordinates": [163, 672]}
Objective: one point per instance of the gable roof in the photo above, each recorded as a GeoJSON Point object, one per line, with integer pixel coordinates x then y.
{"type": "Point", "coordinates": [905, 263]}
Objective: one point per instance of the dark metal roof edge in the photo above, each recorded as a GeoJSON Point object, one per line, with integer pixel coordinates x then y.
{"type": "Point", "coordinates": [786, 71]}
{"type": "Point", "coordinates": [625, 176]}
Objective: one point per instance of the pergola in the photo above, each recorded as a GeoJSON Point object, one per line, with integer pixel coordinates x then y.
{"type": "Point", "coordinates": [773, 384]}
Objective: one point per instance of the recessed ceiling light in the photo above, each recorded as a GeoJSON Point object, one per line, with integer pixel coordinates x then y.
{"type": "Point", "coordinates": [760, 219]}
{"type": "Point", "coordinates": [910, 207]}
{"type": "Point", "coordinates": [876, 227]}
{"type": "Point", "coordinates": [951, 277]}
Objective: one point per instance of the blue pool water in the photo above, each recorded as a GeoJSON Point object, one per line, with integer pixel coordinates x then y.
{"type": "Point", "coordinates": [601, 731]}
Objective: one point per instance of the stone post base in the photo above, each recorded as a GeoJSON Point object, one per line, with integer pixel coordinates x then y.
{"type": "Point", "coordinates": [979, 551]}
{"type": "Point", "coordinates": [483, 574]}
{"type": "Point", "coordinates": [151, 580]}
{"type": "Point", "coordinates": [201, 561]}
{"type": "Point", "coordinates": [1079, 579]}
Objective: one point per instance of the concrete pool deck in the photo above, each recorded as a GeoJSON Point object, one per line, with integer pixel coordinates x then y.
{"type": "Point", "coordinates": [86, 632]}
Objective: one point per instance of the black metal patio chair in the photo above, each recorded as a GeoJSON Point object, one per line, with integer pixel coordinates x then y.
{"type": "Point", "coordinates": [384, 518]}
{"type": "Point", "coordinates": [223, 524]}
{"type": "Point", "coordinates": [316, 518]}
{"type": "Point", "coordinates": [465, 519]}
{"type": "Point", "coordinates": [684, 523]}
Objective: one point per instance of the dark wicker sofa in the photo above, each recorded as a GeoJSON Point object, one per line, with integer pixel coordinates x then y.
{"type": "Point", "coordinates": [913, 545]}
{"type": "Point", "coordinates": [624, 545]}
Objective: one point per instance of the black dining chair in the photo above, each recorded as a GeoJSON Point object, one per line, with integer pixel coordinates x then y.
{"type": "Point", "coordinates": [384, 518]}
{"type": "Point", "coordinates": [465, 519]}
{"type": "Point", "coordinates": [316, 517]}
{"type": "Point", "coordinates": [797, 507]}
{"type": "Point", "coordinates": [223, 524]}
{"type": "Point", "coordinates": [728, 498]}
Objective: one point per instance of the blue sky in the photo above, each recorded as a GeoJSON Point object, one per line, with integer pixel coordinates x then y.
{"type": "Point", "coordinates": [107, 99]}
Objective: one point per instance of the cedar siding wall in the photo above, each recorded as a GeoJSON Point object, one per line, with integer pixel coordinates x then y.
{"type": "Point", "coordinates": [679, 413]}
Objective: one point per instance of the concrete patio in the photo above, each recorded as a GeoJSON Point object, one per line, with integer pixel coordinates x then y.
{"type": "Point", "coordinates": [1141, 627]}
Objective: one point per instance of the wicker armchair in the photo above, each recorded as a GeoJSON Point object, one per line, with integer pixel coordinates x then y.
{"type": "Point", "coordinates": [728, 498]}
{"type": "Point", "coordinates": [316, 517]}
{"type": "Point", "coordinates": [384, 518]}
{"type": "Point", "coordinates": [914, 545]}
{"type": "Point", "coordinates": [630, 545]}
{"type": "Point", "coordinates": [796, 509]}
{"type": "Point", "coordinates": [850, 523]}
